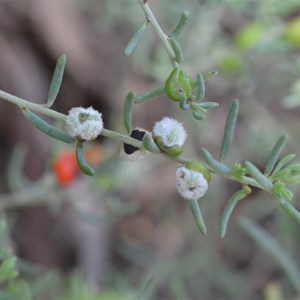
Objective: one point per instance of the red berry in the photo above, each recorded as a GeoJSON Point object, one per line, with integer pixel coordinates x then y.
{"type": "Point", "coordinates": [65, 168]}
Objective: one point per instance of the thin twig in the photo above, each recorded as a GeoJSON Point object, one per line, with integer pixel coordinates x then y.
{"type": "Point", "coordinates": [151, 18]}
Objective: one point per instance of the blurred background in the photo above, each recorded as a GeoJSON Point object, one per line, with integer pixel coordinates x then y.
{"type": "Point", "coordinates": [126, 233]}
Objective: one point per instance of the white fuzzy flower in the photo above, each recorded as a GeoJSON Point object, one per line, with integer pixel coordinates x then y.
{"type": "Point", "coordinates": [190, 184]}
{"type": "Point", "coordinates": [170, 131]}
{"type": "Point", "coordinates": [84, 123]}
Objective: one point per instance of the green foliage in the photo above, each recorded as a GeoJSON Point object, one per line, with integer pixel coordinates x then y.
{"type": "Point", "coordinates": [11, 286]}
{"type": "Point", "coordinates": [83, 165]}
{"type": "Point", "coordinates": [261, 179]}
{"type": "Point", "coordinates": [127, 111]}
{"type": "Point", "coordinates": [56, 80]}
{"type": "Point", "coordinates": [229, 129]}
{"type": "Point", "coordinates": [197, 271]}
{"type": "Point", "coordinates": [46, 128]}
{"type": "Point", "coordinates": [238, 172]}
{"type": "Point", "coordinates": [200, 84]}
{"type": "Point", "coordinates": [177, 50]}
{"type": "Point", "coordinates": [195, 208]}
{"type": "Point", "coordinates": [181, 88]}
{"type": "Point", "coordinates": [274, 154]}
{"type": "Point", "coordinates": [180, 26]}
{"type": "Point", "coordinates": [215, 164]}
{"type": "Point", "coordinates": [135, 39]}
{"type": "Point", "coordinates": [232, 202]}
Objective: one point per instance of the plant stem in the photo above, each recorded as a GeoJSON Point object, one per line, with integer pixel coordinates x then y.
{"type": "Point", "coordinates": [22, 103]}
{"type": "Point", "coordinates": [122, 138]}
{"type": "Point", "coordinates": [129, 140]}
{"type": "Point", "coordinates": [31, 106]}
{"type": "Point", "coordinates": [151, 18]}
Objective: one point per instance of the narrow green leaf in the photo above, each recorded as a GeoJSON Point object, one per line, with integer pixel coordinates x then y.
{"type": "Point", "coordinates": [214, 164]}
{"type": "Point", "coordinates": [149, 143]}
{"type": "Point", "coordinates": [274, 154]}
{"type": "Point", "coordinates": [194, 205]}
{"type": "Point", "coordinates": [135, 39]}
{"type": "Point", "coordinates": [282, 163]}
{"type": "Point", "coordinates": [288, 172]}
{"type": "Point", "coordinates": [183, 20]}
{"type": "Point", "coordinates": [15, 175]}
{"type": "Point", "coordinates": [198, 115]}
{"type": "Point", "coordinates": [291, 181]}
{"type": "Point", "coordinates": [198, 111]}
{"type": "Point", "coordinates": [288, 208]}
{"type": "Point", "coordinates": [280, 190]}
{"type": "Point", "coordinates": [232, 202]}
{"type": "Point", "coordinates": [273, 249]}
{"type": "Point", "coordinates": [287, 194]}
{"type": "Point", "coordinates": [200, 84]}
{"type": "Point", "coordinates": [177, 50]}
{"type": "Point", "coordinates": [208, 105]}
{"type": "Point", "coordinates": [83, 165]}
{"type": "Point", "coordinates": [46, 128]}
{"type": "Point", "coordinates": [56, 80]}
{"type": "Point", "coordinates": [208, 75]}
{"type": "Point", "coordinates": [277, 186]}
{"type": "Point", "coordinates": [294, 170]}
{"type": "Point", "coordinates": [258, 176]}
{"type": "Point", "coordinates": [197, 107]}
{"type": "Point", "coordinates": [127, 111]}
{"type": "Point", "coordinates": [229, 129]}
{"type": "Point", "coordinates": [149, 95]}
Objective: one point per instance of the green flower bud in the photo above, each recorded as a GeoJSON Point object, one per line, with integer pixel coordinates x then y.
{"type": "Point", "coordinates": [179, 85]}
{"type": "Point", "coordinates": [169, 135]}
{"type": "Point", "coordinates": [172, 151]}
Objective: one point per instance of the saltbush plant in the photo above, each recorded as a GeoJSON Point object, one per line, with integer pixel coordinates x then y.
{"type": "Point", "coordinates": [168, 136]}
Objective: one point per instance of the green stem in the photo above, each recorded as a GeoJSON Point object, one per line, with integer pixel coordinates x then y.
{"type": "Point", "coordinates": [31, 106]}
{"type": "Point", "coordinates": [129, 140]}
{"type": "Point", "coordinates": [122, 138]}
{"type": "Point", "coordinates": [112, 134]}
{"type": "Point", "coordinates": [151, 18]}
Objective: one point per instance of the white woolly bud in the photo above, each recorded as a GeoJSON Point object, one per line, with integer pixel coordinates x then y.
{"type": "Point", "coordinates": [84, 123]}
{"type": "Point", "coordinates": [170, 131]}
{"type": "Point", "coordinates": [190, 184]}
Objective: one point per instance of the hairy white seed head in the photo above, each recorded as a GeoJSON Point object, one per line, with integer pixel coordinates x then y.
{"type": "Point", "coordinates": [84, 123]}
{"type": "Point", "coordinates": [190, 184]}
{"type": "Point", "coordinates": [170, 131]}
